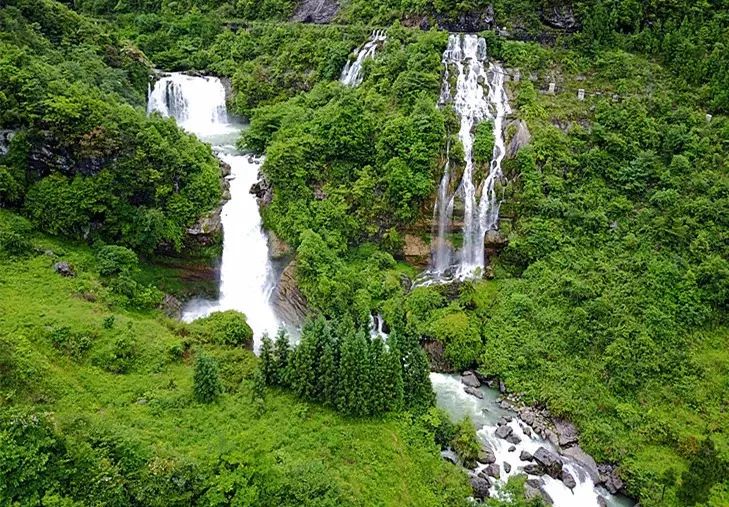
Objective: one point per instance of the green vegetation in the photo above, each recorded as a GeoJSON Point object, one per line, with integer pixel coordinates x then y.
{"type": "Point", "coordinates": [609, 303]}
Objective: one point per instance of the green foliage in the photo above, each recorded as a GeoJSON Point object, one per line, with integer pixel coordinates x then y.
{"type": "Point", "coordinates": [465, 442]}
{"type": "Point", "coordinates": [116, 260]}
{"type": "Point", "coordinates": [207, 385]}
{"type": "Point", "coordinates": [229, 328]}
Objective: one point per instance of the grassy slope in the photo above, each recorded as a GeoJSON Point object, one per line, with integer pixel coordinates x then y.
{"type": "Point", "coordinates": [374, 462]}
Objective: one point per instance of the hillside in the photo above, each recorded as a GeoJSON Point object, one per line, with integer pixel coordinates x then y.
{"type": "Point", "coordinates": [602, 297]}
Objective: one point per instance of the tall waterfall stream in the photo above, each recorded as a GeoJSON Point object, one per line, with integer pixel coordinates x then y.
{"type": "Point", "coordinates": [478, 95]}
{"type": "Point", "coordinates": [246, 274]}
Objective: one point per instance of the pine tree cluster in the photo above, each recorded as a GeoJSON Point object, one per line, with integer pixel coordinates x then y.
{"type": "Point", "coordinates": [346, 369]}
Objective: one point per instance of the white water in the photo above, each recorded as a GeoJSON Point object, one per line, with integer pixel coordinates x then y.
{"type": "Point", "coordinates": [377, 327]}
{"type": "Point", "coordinates": [246, 274]}
{"type": "Point", "coordinates": [479, 95]}
{"type": "Point", "coordinates": [485, 413]}
{"type": "Point", "coordinates": [352, 72]}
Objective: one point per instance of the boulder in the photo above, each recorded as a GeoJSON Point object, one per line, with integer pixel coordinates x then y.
{"type": "Point", "coordinates": [519, 137]}
{"type": "Point", "coordinates": [534, 488]}
{"type": "Point", "coordinates": [610, 479]}
{"type": "Point", "coordinates": [511, 448]}
{"type": "Point", "coordinates": [534, 469]}
{"type": "Point", "coordinates": [435, 351]}
{"type": "Point", "coordinates": [501, 422]}
{"type": "Point", "coordinates": [486, 455]}
{"type": "Point", "coordinates": [473, 392]}
{"type": "Point", "coordinates": [566, 433]}
{"type": "Point", "coordinates": [316, 11]}
{"type": "Point", "coordinates": [601, 502]}
{"type": "Point", "coordinates": [527, 416]}
{"type": "Point", "coordinates": [585, 460]}
{"type": "Point", "coordinates": [480, 487]}
{"type": "Point", "coordinates": [64, 269]}
{"type": "Point", "coordinates": [502, 386]}
{"type": "Point", "coordinates": [469, 378]}
{"type": "Point", "coordinates": [171, 306]}
{"type": "Point", "coordinates": [493, 470]}
{"type": "Point", "coordinates": [507, 467]}
{"type": "Point", "coordinates": [287, 299]}
{"type": "Point", "coordinates": [513, 439]}
{"type": "Point", "coordinates": [526, 456]}
{"type": "Point", "coordinates": [494, 240]}
{"type": "Point", "coordinates": [549, 460]}
{"type": "Point", "coordinates": [263, 190]}
{"type": "Point", "coordinates": [567, 479]}
{"type": "Point", "coordinates": [504, 431]}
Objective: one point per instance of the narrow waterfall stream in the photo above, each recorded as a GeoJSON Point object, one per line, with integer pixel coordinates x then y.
{"type": "Point", "coordinates": [352, 72]}
{"type": "Point", "coordinates": [487, 414]}
{"type": "Point", "coordinates": [478, 95]}
{"type": "Point", "coordinates": [246, 274]}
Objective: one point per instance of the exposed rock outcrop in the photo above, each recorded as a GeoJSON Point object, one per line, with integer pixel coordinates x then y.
{"type": "Point", "coordinates": [316, 11]}
{"type": "Point", "coordinates": [416, 250]}
{"type": "Point", "coordinates": [171, 306]}
{"type": "Point", "coordinates": [475, 21]}
{"type": "Point", "coordinates": [519, 136]}
{"type": "Point", "coordinates": [469, 378]}
{"type": "Point", "coordinates": [208, 228]}
{"type": "Point", "coordinates": [561, 17]}
{"type": "Point", "coordinates": [64, 269]}
{"type": "Point", "coordinates": [289, 302]}
{"type": "Point", "coordinates": [480, 487]}
{"type": "Point", "coordinates": [277, 248]}
{"type": "Point", "coordinates": [551, 463]}
{"type": "Point", "coordinates": [5, 137]}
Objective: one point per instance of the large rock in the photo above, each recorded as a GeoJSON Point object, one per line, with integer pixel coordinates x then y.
{"type": "Point", "coordinates": [534, 469]}
{"type": "Point", "coordinates": [289, 302]}
{"type": "Point", "coordinates": [416, 250]}
{"type": "Point", "coordinates": [494, 240]}
{"type": "Point", "coordinates": [263, 191]}
{"type": "Point", "coordinates": [486, 455]}
{"type": "Point", "coordinates": [208, 228]}
{"type": "Point", "coordinates": [473, 392]}
{"type": "Point", "coordinates": [567, 479]}
{"type": "Point", "coordinates": [171, 306]}
{"type": "Point", "coordinates": [566, 433]}
{"type": "Point", "coordinates": [493, 470]}
{"type": "Point", "coordinates": [601, 502]}
{"type": "Point", "coordinates": [519, 137]}
{"type": "Point", "coordinates": [550, 461]}
{"type": "Point", "coordinates": [480, 487]}
{"type": "Point", "coordinates": [64, 269]}
{"type": "Point", "coordinates": [469, 378]}
{"type": "Point", "coordinates": [584, 459]}
{"type": "Point", "coordinates": [513, 439]}
{"type": "Point", "coordinates": [475, 21]}
{"type": "Point", "coordinates": [316, 11]}
{"type": "Point", "coordinates": [526, 456]}
{"type": "Point", "coordinates": [560, 17]}
{"type": "Point", "coordinates": [534, 488]}
{"type": "Point", "coordinates": [504, 431]}
{"type": "Point", "coordinates": [610, 479]}
{"type": "Point", "coordinates": [449, 455]}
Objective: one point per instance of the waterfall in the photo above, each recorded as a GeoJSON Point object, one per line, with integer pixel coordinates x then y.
{"type": "Point", "coordinates": [246, 274]}
{"type": "Point", "coordinates": [352, 72]}
{"type": "Point", "coordinates": [479, 95]}
{"type": "Point", "coordinates": [487, 414]}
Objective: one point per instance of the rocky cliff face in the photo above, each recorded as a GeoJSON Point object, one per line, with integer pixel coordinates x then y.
{"type": "Point", "coordinates": [288, 301]}
{"type": "Point", "coordinates": [316, 11]}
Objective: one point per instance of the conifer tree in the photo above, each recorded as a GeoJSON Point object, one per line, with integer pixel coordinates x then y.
{"type": "Point", "coordinates": [377, 396]}
{"type": "Point", "coordinates": [392, 382]}
{"type": "Point", "coordinates": [267, 361]}
{"type": "Point", "coordinates": [281, 352]}
{"type": "Point", "coordinates": [330, 370]}
{"type": "Point", "coordinates": [305, 367]}
{"type": "Point", "coordinates": [352, 374]}
{"type": "Point", "coordinates": [207, 385]}
{"type": "Point", "coordinates": [418, 390]}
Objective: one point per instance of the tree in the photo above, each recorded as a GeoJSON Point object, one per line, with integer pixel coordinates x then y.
{"type": "Point", "coordinates": [330, 370]}
{"type": "Point", "coordinates": [207, 383]}
{"type": "Point", "coordinates": [705, 469]}
{"type": "Point", "coordinates": [352, 375]}
{"type": "Point", "coordinates": [282, 351]}
{"type": "Point", "coordinates": [392, 382]}
{"type": "Point", "coordinates": [465, 442]}
{"type": "Point", "coordinates": [267, 360]}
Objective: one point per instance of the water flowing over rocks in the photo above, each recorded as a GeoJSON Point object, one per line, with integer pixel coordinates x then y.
{"type": "Point", "coordinates": [480, 487]}
{"type": "Point", "coordinates": [6, 136]}
{"type": "Point", "coordinates": [560, 474]}
{"type": "Point", "coordinates": [263, 190]}
{"type": "Point", "coordinates": [469, 378]}
{"type": "Point", "coordinates": [352, 72]}
{"type": "Point", "coordinates": [478, 95]}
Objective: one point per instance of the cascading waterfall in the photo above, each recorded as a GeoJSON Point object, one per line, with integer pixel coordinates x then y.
{"type": "Point", "coordinates": [246, 274]}
{"type": "Point", "coordinates": [352, 72]}
{"type": "Point", "coordinates": [479, 94]}
{"type": "Point", "coordinates": [485, 413]}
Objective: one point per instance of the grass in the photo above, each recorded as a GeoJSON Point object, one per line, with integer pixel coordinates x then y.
{"type": "Point", "coordinates": [371, 462]}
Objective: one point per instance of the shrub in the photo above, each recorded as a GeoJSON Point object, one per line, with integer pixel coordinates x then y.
{"type": "Point", "coordinates": [74, 345]}
{"type": "Point", "coordinates": [114, 260]}
{"type": "Point", "coordinates": [119, 356]}
{"type": "Point", "coordinates": [465, 442]}
{"type": "Point", "coordinates": [207, 383]}
{"type": "Point", "coordinates": [224, 328]}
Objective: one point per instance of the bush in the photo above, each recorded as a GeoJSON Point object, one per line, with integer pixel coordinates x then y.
{"type": "Point", "coordinates": [465, 443]}
{"type": "Point", "coordinates": [224, 328]}
{"type": "Point", "coordinates": [207, 383]}
{"type": "Point", "coordinates": [118, 357]}
{"type": "Point", "coordinates": [74, 345]}
{"type": "Point", "coordinates": [114, 260]}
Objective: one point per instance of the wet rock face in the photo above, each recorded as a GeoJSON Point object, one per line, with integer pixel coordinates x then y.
{"type": "Point", "coordinates": [520, 137]}
{"type": "Point", "coordinates": [171, 306]}
{"type": "Point", "coordinates": [416, 250]}
{"type": "Point", "coordinates": [473, 392]}
{"type": "Point", "coordinates": [287, 299]}
{"type": "Point", "coordinates": [475, 21]}
{"type": "Point", "coordinates": [480, 487]}
{"type": "Point", "coordinates": [551, 463]}
{"type": "Point", "coordinates": [316, 11]}
{"type": "Point", "coordinates": [486, 455]}
{"type": "Point", "coordinates": [208, 228]}
{"type": "Point", "coordinates": [469, 379]}
{"type": "Point", "coordinates": [263, 191]}
{"type": "Point", "coordinates": [568, 480]}
{"type": "Point", "coordinates": [504, 431]}
{"type": "Point", "coordinates": [561, 17]}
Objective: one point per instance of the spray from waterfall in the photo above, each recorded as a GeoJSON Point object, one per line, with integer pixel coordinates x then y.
{"type": "Point", "coordinates": [352, 72]}
{"type": "Point", "coordinates": [246, 274]}
{"type": "Point", "coordinates": [478, 95]}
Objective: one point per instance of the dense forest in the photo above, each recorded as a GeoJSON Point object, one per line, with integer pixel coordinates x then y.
{"type": "Point", "coordinates": [605, 301]}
